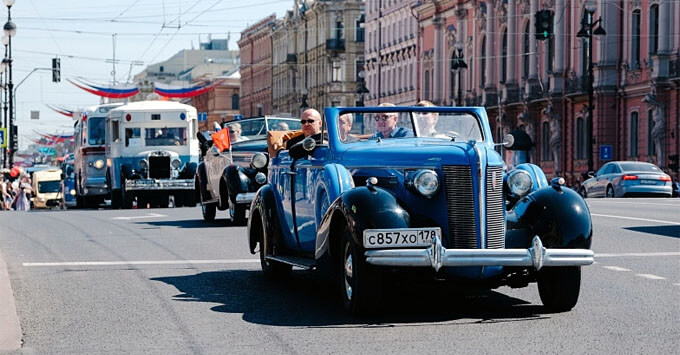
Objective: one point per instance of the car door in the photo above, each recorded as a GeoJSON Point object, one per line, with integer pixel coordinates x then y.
{"type": "Point", "coordinates": [601, 180]}
{"type": "Point", "coordinates": [309, 196]}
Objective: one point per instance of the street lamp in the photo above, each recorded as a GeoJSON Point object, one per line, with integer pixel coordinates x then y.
{"type": "Point", "coordinates": [304, 104]}
{"type": "Point", "coordinates": [457, 65]}
{"type": "Point", "coordinates": [587, 31]}
{"type": "Point", "coordinates": [10, 29]}
{"type": "Point", "coordinates": [259, 110]}
{"type": "Point", "coordinates": [361, 88]}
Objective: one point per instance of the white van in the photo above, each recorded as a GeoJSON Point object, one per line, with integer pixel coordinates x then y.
{"type": "Point", "coordinates": [47, 189]}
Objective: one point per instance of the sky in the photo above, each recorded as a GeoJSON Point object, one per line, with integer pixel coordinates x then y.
{"type": "Point", "coordinates": [82, 32]}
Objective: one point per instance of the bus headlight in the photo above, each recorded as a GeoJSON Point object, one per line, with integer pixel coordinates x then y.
{"type": "Point", "coordinates": [519, 182]}
{"type": "Point", "coordinates": [425, 182]}
{"type": "Point", "coordinates": [259, 160]}
{"type": "Point", "coordinates": [176, 163]}
{"type": "Point", "coordinates": [73, 192]}
{"type": "Point", "coordinates": [143, 164]}
{"type": "Point", "coordinates": [98, 164]}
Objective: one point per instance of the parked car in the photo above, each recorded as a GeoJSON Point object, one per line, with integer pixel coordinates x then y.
{"type": "Point", "coordinates": [439, 204]}
{"type": "Point", "coordinates": [228, 179]}
{"type": "Point", "coordinates": [627, 179]}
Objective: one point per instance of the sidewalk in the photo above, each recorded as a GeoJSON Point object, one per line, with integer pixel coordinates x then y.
{"type": "Point", "coordinates": [10, 329]}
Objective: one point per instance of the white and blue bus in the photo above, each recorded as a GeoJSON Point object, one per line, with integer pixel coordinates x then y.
{"type": "Point", "coordinates": [152, 154]}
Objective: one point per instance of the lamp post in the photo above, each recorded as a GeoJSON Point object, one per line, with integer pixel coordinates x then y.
{"type": "Point", "coordinates": [304, 105]}
{"type": "Point", "coordinates": [259, 110]}
{"type": "Point", "coordinates": [10, 29]}
{"type": "Point", "coordinates": [457, 65]}
{"type": "Point", "coordinates": [586, 31]}
{"type": "Point", "coordinates": [361, 90]}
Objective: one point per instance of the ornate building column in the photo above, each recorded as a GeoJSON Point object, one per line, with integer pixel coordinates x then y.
{"type": "Point", "coordinates": [533, 86]}
{"type": "Point", "coordinates": [559, 21]}
{"type": "Point", "coordinates": [489, 87]}
{"type": "Point", "coordinates": [663, 51]}
{"type": "Point", "coordinates": [438, 90]}
{"type": "Point", "coordinates": [511, 88]}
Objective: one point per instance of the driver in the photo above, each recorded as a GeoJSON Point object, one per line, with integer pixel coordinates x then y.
{"type": "Point", "coordinates": [386, 123]}
{"type": "Point", "coordinates": [311, 126]}
{"type": "Point", "coordinates": [426, 120]}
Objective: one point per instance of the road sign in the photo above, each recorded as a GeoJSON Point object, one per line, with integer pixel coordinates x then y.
{"type": "Point", "coordinates": [3, 137]}
{"type": "Point", "coordinates": [35, 115]}
{"type": "Point", "coordinates": [46, 151]}
{"type": "Point", "coordinates": [606, 151]}
{"type": "Point", "coordinates": [238, 117]}
{"type": "Point", "coordinates": [202, 116]}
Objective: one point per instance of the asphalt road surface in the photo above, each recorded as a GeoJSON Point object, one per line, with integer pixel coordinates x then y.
{"type": "Point", "coordinates": [162, 281]}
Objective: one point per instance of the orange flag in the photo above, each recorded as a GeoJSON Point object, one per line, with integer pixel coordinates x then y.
{"type": "Point", "coordinates": [221, 139]}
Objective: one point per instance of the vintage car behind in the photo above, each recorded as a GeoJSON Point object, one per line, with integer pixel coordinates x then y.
{"type": "Point", "coordinates": [228, 179]}
{"type": "Point", "coordinates": [151, 154]}
{"type": "Point", "coordinates": [439, 204]}
{"type": "Point", "coordinates": [628, 179]}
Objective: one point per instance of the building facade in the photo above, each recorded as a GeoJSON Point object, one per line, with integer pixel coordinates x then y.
{"type": "Point", "coordinates": [221, 104]}
{"type": "Point", "coordinates": [255, 48]}
{"type": "Point", "coordinates": [542, 86]}
{"type": "Point", "coordinates": [318, 54]}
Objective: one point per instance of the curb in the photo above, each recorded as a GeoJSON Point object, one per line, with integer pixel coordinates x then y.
{"type": "Point", "coordinates": [10, 329]}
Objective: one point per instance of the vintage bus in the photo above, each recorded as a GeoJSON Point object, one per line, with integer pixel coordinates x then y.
{"type": "Point", "coordinates": [152, 154]}
{"type": "Point", "coordinates": [89, 156]}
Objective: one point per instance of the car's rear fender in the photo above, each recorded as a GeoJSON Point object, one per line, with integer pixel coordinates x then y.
{"type": "Point", "coordinates": [203, 182]}
{"type": "Point", "coordinates": [558, 215]}
{"type": "Point", "coordinates": [359, 209]}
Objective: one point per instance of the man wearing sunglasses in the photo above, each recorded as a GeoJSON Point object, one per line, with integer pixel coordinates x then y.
{"type": "Point", "coordinates": [311, 126]}
{"type": "Point", "coordinates": [386, 123]}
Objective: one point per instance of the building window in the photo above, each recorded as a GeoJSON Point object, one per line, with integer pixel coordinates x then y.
{"type": "Point", "coordinates": [545, 141]}
{"type": "Point", "coordinates": [234, 102]}
{"type": "Point", "coordinates": [653, 29]}
{"type": "Point", "coordinates": [584, 57]}
{"type": "Point", "coordinates": [336, 74]}
{"type": "Point", "coordinates": [651, 149]}
{"type": "Point", "coordinates": [482, 63]}
{"type": "Point", "coordinates": [426, 85]}
{"type": "Point", "coordinates": [635, 41]}
{"type": "Point", "coordinates": [360, 30]}
{"type": "Point", "coordinates": [499, 138]}
{"type": "Point", "coordinates": [359, 68]}
{"type": "Point", "coordinates": [633, 152]}
{"type": "Point", "coordinates": [527, 50]}
{"type": "Point", "coordinates": [580, 138]}
{"type": "Point", "coordinates": [504, 57]}
{"type": "Point", "coordinates": [160, 69]}
{"type": "Point", "coordinates": [452, 77]}
{"type": "Point", "coordinates": [339, 30]}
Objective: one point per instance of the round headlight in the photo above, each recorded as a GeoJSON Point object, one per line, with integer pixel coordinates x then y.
{"type": "Point", "coordinates": [260, 178]}
{"type": "Point", "coordinates": [519, 182]}
{"type": "Point", "coordinates": [176, 163]}
{"type": "Point", "coordinates": [426, 182]}
{"type": "Point", "coordinates": [259, 160]}
{"type": "Point", "coordinates": [99, 163]}
{"type": "Point", "coordinates": [143, 164]}
{"type": "Point", "coordinates": [73, 192]}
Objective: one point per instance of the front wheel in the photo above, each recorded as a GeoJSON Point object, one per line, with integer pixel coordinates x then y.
{"type": "Point", "coordinates": [610, 192]}
{"type": "Point", "coordinates": [360, 283]}
{"type": "Point", "coordinates": [273, 270]}
{"type": "Point", "coordinates": [559, 287]}
{"type": "Point", "coordinates": [208, 210]}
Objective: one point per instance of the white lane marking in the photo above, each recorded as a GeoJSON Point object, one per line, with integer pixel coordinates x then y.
{"type": "Point", "coordinates": [149, 215]}
{"type": "Point", "coordinates": [635, 203]}
{"type": "Point", "coordinates": [650, 276]}
{"type": "Point", "coordinates": [616, 268]}
{"type": "Point", "coordinates": [618, 255]}
{"type": "Point", "coordinates": [144, 262]}
{"type": "Point", "coordinates": [677, 284]}
{"type": "Point", "coordinates": [635, 218]}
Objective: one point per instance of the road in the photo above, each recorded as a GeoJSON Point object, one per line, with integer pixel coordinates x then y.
{"type": "Point", "coordinates": [162, 281]}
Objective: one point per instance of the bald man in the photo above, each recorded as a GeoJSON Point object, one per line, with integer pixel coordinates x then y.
{"type": "Point", "coordinates": [311, 126]}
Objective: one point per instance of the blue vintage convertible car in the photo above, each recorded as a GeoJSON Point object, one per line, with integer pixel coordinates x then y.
{"type": "Point", "coordinates": [433, 197]}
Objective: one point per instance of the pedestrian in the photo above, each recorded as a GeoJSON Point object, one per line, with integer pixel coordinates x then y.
{"type": "Point", "coordinates": [21, 200]}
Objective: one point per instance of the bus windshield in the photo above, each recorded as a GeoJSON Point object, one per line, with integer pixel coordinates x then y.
{"type": "Point", "coordinates": [95, 131]}
{"type": "Point", "coordinates": [165, 136]}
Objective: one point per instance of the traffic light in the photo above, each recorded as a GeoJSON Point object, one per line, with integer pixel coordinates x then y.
{"type": "Point", "coordinates": [544, 24]}
{"type": "Point", "coordinates": [56, 70]}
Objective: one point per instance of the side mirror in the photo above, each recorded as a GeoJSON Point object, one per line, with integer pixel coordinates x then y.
{"type": "Point", "coordinates": [591, 174]}
{"type": "Point", "coordinates": [302, 149]}
{"type": "Point", "coordinates": [201, 137]}
{"type": "Point", "coordinates": [517, 140]}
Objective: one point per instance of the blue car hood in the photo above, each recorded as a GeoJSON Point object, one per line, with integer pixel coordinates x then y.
{"type": "Point", "coordinates": [409, 152]}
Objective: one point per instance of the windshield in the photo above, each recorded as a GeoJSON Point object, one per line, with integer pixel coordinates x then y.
{"type": "Point", "coordinates": [165, 136]}
{"type": "Point", "coordinates": [458, 126]}
{"type": "Point", "coordinates": [640, 167]}
{"type": "Point", "coordinates": [68, 170]}
{"type": "Point", "coordinates": [96, 131]}
{"type": "Point", "coordinates": [240, 131]}
{"type": "Point", "coordinates": [49, 186]}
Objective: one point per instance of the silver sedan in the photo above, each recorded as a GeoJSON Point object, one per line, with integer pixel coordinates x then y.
{"type": "Point", "coordinates": [627, 178]}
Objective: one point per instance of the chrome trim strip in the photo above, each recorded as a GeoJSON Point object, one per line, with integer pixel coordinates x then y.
{"type": "Point", "coordinates": [436, 256]}
{"type": "Point", "coordinates": [183, 184]}
{"type": "Point", "coordinates": [481, 202]}
{"type": "Point", "coordinates": [246, 197]}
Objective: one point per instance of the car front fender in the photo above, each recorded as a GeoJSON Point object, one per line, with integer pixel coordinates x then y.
{"type": "Point", "coordinates": [237, 181]}
{"type": "Point", "coordinates": [359, 209]}
{"type": "Point", "coordinates": [559, 216]}
{"type": "Point", "coordinates": [203, 181]}
{"type": "Point", "coordinates": [264, 207]}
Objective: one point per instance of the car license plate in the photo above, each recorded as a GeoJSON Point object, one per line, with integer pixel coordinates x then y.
{"type": "Point", "coordinates": [402, 237]}
{"type": "Point", "coordinates": [647, 182]}
{"type": "Point", "coordinates": [145, 181]}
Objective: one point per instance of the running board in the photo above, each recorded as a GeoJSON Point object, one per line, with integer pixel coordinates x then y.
{"type": "Point", "coordinates": [302, 263]}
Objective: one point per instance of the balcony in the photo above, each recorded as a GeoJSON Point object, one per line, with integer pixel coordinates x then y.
{"type": "Point", "coordinates": [674, 68]}
{"type": "Point", "coordinates": [335, 45]}
{"type": "Point", "coordinates": [577, 84]}
{"type": "Point", "coordinates": [291, 58]}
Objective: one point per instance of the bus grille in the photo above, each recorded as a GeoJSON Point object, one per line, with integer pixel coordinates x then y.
{"type": "Point", "coordinates": [159, 167]}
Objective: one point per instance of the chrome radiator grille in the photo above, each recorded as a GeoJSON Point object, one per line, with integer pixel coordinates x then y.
{"type": "Point", "coordinates": [159, 167]}
{"type": "Point", "coordinates": [495, 226]}
{"type": "Point", "coordinates": [460, 207]}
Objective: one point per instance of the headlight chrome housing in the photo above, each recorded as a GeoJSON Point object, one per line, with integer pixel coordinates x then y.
{"type": "Point", "coordinates": [98, 164]}
{"type": "Point", "coordinates": [259, 161]}
{"type": "Point", "coordinates": [176, 163]}
{"type": "Point", "coordinates": [143, 164]}
{"type": "Point", "coordinates": [260, 178]}
{"type": "Point", "coordinates": [425, 181]}
{"type": "Point", "coordinates": [519, 183]}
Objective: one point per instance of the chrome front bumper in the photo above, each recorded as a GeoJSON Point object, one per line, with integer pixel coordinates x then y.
{"type": "Point", "coordinates": [437, 256]}
{"type": "Point", "coordinates": [159, 184]}
{"type": "Point", "coordinates": [246, 197]}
